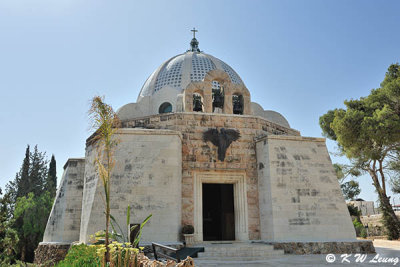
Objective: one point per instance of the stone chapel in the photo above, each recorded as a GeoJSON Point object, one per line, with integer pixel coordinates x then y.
{"type": "Point", "coordinates": [194, 149]}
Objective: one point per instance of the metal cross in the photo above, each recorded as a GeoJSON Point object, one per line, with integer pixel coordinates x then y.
{"type": "Point", "coordinates": [194, 32]}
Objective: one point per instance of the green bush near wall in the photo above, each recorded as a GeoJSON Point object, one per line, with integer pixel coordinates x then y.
{"type": "Point", "coordinates": [80, 256]}
{"type": "Point", "coordinates": [360, 229]}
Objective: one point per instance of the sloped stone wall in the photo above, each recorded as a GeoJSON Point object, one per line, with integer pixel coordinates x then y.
{"type": "Point", "coordinates": [147, 176]}
{"type": "Point", "coordinates": [300, 197]}
{"type": "Point", "coordinates": [64, 221]}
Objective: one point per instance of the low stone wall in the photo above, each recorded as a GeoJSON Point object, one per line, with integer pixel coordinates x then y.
{"type": "Point", "coordinates": [300, 248]}
{"type": "Point", "coordinates": [375, 219]}
{"type": "Point", "coordinates": [49, 254]}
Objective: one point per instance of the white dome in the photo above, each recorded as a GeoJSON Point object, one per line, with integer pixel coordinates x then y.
{"type": "Point", "coordinates": [182, 69]}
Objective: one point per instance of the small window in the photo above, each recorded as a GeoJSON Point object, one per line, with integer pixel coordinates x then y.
{"type": "Point", "coordinates": [165, 108]}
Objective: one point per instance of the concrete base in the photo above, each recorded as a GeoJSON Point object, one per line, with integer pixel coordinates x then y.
{"type": "Point", "coordinates": [320, 247]}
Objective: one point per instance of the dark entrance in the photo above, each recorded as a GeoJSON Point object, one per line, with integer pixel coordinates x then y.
{"type": "Point", "coordinates": [218, 212]}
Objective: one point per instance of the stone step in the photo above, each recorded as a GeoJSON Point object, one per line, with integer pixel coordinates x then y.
{"type": "Point", "coordinates": [239, 251]}
{"type": "Point", "coordinates": [220, 256]}
{"type": "Point", "coordinates": [240, 254]}
{"type": "Point", "coordinates": [235, 259]}
{"type": "Point", "coordinates": [265, 248]}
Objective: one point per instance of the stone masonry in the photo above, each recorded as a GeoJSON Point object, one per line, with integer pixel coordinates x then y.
{"type": "Point", "coordinates": [198, 155]}
{"type": "Point", "coordinates": [300, 198]}
{"type": "Point", "coordinates": [65, 218]}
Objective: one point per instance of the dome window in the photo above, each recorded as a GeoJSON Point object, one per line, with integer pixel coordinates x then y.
{"type": "Point", "coordinates": [165, 107]}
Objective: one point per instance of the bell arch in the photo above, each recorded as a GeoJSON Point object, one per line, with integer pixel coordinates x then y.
{"type": "Point", "coordinates": [204, 89]}
{"type": "Point", "coordinates": [240, 100]}
{"type": "Point", "coordinates": [243, 94]}
{"type": "Point", "coordinates": [225, 83]}
{"type": "Point", "coordinates": [192, 90]}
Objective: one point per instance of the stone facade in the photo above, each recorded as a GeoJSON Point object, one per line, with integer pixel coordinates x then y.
{"type": "Point", "coordinates": [198, 156]}
{"type": "Point", "coordinates": [147, 176]}
{"type": "Point", "coordinates": [140, 168]}
{"type": "Point", "coordinates": [64, 221]}
{"type": "Point", "coordinates": [300, 198]}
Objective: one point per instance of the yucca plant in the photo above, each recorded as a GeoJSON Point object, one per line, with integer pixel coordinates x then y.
{"type": "Point", "coordinates": [122, 251]}
{"type": "Point", "coordinates": [120, 236]}
{"type": "Point", "coordinates": [117, 233]}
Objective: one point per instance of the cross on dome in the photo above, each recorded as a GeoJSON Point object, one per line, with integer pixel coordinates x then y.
{"type": "Point", "coordinates": [194, 44]}
{"type": "Point", "coordinates": [194, 32]}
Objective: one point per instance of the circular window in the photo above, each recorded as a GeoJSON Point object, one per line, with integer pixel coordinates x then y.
{"type": "Point", "coordinates": [165, 108]}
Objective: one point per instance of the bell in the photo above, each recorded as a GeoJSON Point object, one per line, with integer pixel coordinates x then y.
{"type": "Point", "coordinates": [197, 105]}
{"type": "Point", "coordinates": [237, 105]}
{"type": "Point", "coordinates": [218, 101]}
{"type": "Point", "coordinates": [237, 108]}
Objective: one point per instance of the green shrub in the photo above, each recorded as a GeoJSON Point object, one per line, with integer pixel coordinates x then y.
{"type": "Point", "coordinates": [363, 233]}
{"type": "Point", "coordinates": [21, 264]}
{"type": "Point", "coordinates": [80, 256]}
{"type": "Point", "coordinates": [360, 229]}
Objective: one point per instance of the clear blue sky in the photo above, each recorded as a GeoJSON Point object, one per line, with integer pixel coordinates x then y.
{"type": "Point", "coordinates": [300, 58]}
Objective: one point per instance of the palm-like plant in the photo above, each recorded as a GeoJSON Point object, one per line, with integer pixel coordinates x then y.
{"type": "Point", "coordinates": [119, 235]}
{"type": "Point", "coordinates": [105, 122]}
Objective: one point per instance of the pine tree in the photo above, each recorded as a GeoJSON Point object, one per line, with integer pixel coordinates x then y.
{"type": "Point", "coordinates": [51, 182]}
{"type": "Point", "coordinates": [22, 178]}
{"type": "Point", "coordinates": [368, 133]}
{"type": "Point", "coordinates": [32, 204]}
{"type": "Point", "coordinates": [25, 207]}
{"type": "Point", "coordinates": [38, 172]}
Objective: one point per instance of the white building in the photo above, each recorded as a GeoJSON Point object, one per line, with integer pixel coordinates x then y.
{"type": "Point", "coordinates": [181, 159]}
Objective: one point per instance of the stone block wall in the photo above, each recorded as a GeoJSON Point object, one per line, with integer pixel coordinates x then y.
{"type": "Point", "coordinates": [299, 195]}
{"type": "Point", "coordinates": [49, 254]}
{"type": "Point", "coordinates": [64, 221]}
{"type": "Point", "coordinates": [147, 176]}
{"type": "Point", "coordinates": [201, 157]}
{"type": "Point", "coordinates": [301, 248]}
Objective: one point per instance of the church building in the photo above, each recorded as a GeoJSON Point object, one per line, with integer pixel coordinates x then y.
{"type": "Point", "coordinates": [194, 149]}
